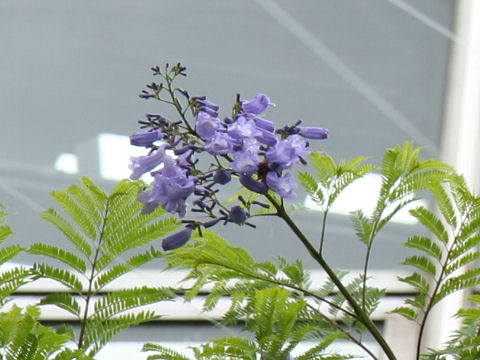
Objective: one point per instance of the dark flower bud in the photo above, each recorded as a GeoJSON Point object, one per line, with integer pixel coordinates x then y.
{"type": "Point", "coordinates": [177, 240]}
{"type": "Point", "coordinates": [212, 222]}
{"type": "Point", "coordinates": [237, 215]}
{"type": "Point", "coordinates": [222, 177]}
{"type": "Point", "coordinates": [253, 185]}
{"type": "Point", "coordinates": [145, 95]}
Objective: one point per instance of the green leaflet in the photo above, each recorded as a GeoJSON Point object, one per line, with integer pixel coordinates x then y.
{"type": "Point", "coordinates": [22, 337]}
{"type": "Point", "coordinates": [331, 178]}
{"type": "Point", "coordinates": [102, 228]}
{"type": "Point", "coordinates": [10, 280]}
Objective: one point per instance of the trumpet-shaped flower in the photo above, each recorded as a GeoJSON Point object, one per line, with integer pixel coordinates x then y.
{"type": "Point", "coordinates": [243, 128]}
{"type": "Point", "coordinates": [143, 164]}
{"type": "Point", "coordinates": [220, 144]}
{"type": "Point", "coordinates": [171, 186]}
{"type": "Point", "coordinates": [283, 185]}
{"type": "Point", "coordinates": [146, 138]}
{"type": "Point", "coordinates": [206, 125]}
{"type": "Point", "coordinates": [287, 152]}
{"type": "Point", "coordinates": [246, 160]}
{"type": "Point", "coordinates": [256, 105]}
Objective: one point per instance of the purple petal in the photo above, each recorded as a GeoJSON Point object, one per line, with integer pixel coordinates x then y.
{"type": "Point", "coordinates": [264, 124]}
{"type": "Point", "coordinates": [219, 144]}
{"type": "Point", "coordinates": [283, 185]}
{"type": "Point", "coordinates": [143, 164]}
{"type": "Point", "coordinates": [243, 128]}
{"type": "Point", "coordinates": [206, 125]}
{"type": "Point", "coordinates": [267, 137]}
{"type": "Point", "coordinates": [287, 152]}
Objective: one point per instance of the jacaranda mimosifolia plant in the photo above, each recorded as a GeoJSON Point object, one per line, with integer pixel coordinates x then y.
{"type": "Point", "coordinates": [191, 160]}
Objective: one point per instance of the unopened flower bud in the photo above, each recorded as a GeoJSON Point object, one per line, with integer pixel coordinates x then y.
{"type": "Point", "coordinates": [177, 240]}
{"type": "Point", "coordinates": [313, 132]}
{"type": "Point", "coordinates": [237, 215]}
{"type": "Point", "coordinates": [253, 185]}
{"type": "Point", "coordinates": [222, 177]}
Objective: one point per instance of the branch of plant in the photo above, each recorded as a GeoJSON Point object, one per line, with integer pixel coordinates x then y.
{"type": "Point", "coordinates": [362, 315]}
{"type": "Point", "coordinates": [349, 335]}
{"type": "Point", "coordinates": [91, 279]}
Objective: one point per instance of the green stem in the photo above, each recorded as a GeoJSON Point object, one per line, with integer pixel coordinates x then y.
{"type": "Point", "coordinates": [363, 317]}
{"type": "Point", "coordinates": [438, 282]}
{"type": "Point", "coordinates": [90, 280]}
{"type": "Point", "coordinates": [349, 335]}
{"type": "Point", "coordinates": [324, 225]}
{"type": "Point", "coordinates": [177, 104]}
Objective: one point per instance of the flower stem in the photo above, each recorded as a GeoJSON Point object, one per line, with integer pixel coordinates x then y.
{"type": "Point", "coordinates": [321, 261]}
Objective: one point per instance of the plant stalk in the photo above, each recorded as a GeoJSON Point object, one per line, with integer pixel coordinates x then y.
{"type": "Point", "coordinates": [90, 281]}
{"type": "Point", "coordinates": [321, 261]}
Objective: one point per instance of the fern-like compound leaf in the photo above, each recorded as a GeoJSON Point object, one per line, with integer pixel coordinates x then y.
{"type": "Point", "coordinates": [65, 301]}
{"type": "Point", "coordinates": [131, 264]}
{"type": "Point", "coordinates": [431, 222]}
{"type": "Point", "coordinates": [162, 352]}
{"type": "Point", "coordinates": [77, 212]}
{"type": "Point", "coordinates": [422, 263]}
{"type": "Point", "coordinates": [64, 256]}
{"type": "Point", "coordinates": [72, 234]}
{"type": "Point", "coordinates": [426, 245]}
{"type": "Point", "coordinates": [120, 301]}
{"type": "Point", "coordinates": [406, 312]}
{"type": "Point", "coordinates": [100, 333]}
{"type": "Point", "coordinates": [63, 276]}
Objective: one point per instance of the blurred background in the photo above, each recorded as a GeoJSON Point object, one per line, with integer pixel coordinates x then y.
{"type": "Point", "coordinates": [376, 73]}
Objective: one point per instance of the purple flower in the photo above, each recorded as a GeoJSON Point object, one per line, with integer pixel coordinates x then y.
{"type": "Point", "coordinates": [142, 164]}
{"type": "Point", "coordinates": [256, 105]}
{"type": "Point", "coordinates": [208, 107]}
{"type": "Point", "coordinates": [253, 185]}
{"type": "Point", "coordinates": [171, 186]}
{"type": "Point", "coordinates": [220, 144]}
{"type": "Point", "coordinates": [283, 185]}
{"type": "Point", "coordinates": [145, 138]}
{"type": "Point", "coordinates": [177, 240]}
{"type": "Point", "coordinates": [237, 215]}
{"type": "Point", "coordinates": [264, 124]}
{"type": "Point", "coordinates": [246, 160]}
{"type": "Point", "coordinates": [206, 125]}
{"type": "Point", "coordinates": [243, 128]}
{"type": "Point", "coordinates": [267, 137]}
{"type": "Point", "coordinates": [222, 177]}
{"type": "Point", "coordinates": [313, 132]}
{"type": "Point", "coordinates": [287, 152]}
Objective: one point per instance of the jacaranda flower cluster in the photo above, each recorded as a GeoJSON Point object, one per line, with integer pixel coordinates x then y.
{"type": "Point", "coordinates": [244, 146]}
